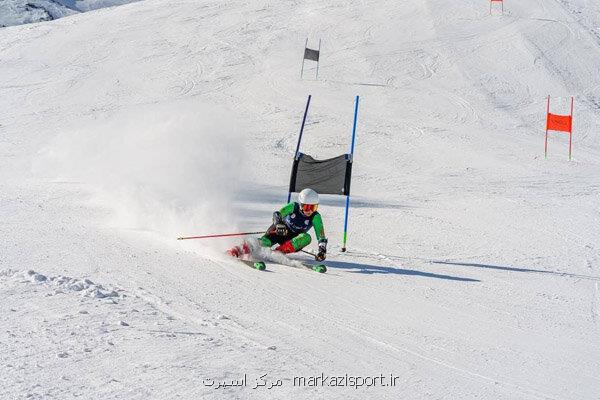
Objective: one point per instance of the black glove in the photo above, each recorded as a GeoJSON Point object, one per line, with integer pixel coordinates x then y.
{"type": "Point", "coordinates": [277, 219]}
{"type": "Point", "coordinates": [281, 229]}
{"type": "Point", "coordinates": [321, 254]}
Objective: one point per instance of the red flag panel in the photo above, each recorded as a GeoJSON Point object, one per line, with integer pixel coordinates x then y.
{"type": "Point", "coordinates": [562, 123]}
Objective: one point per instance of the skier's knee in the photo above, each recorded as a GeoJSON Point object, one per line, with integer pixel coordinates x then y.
{"type": "Point", "coordinates": [265, 242]}
{"type": "Point", "coordinates": [301, 241]}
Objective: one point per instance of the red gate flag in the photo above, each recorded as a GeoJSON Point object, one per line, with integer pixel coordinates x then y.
{"type": "Point", "coordinates": [560, 123]}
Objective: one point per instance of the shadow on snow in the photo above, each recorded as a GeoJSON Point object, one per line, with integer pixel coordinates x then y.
{"type": "Point", "coordinates": [515, 269]}
{"type": "Point", "coordinates": [472, 264]}
{"type": "Point", "coordinates": [376, 269]}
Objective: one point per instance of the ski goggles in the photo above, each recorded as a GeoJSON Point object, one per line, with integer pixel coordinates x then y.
{"type": "Point", "coordinates": [309, 208]}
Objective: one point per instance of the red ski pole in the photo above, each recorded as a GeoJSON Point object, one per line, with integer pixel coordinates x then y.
{"type": "Point", "coordinates": [220, 235]}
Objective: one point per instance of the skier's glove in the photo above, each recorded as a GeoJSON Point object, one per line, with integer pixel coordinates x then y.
{"type": "Point", "coordinates": [277, 218]}
{"type": "Point", "coordinates": [321, 254]}
{"type": "Point", "coordinates": [281, 229]}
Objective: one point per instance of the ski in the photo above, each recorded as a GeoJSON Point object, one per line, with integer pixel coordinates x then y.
{"type": "Point", "coordinates": [320, 268]}
{"type": "Point", "coordinates": [258, 259]}
{"type": "Point", "coordinates": [242, 253]}
{"type": "Point", "coordinates": [255, 264]}
{"type": "Point", "coordinates": [261, 266]}
{"type": "Point", "coordinates": [282, 259]}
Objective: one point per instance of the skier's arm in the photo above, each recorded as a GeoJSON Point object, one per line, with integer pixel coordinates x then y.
{"type": "Point", "coordinates": [320, 233]}
{"type": "Point", "coordinates": [318, 226]}
{"type": "Point", "coordinates": [283, 212]}
{"type": "Point", "coordinates": [287, 209]}
{"type": "Point", "coordinates": [280, 228]}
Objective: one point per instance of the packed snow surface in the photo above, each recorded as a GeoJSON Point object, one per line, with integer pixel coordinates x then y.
{"type": "Point", "coordinates": [17, 12]}
{"type": "Point", "coordinates": [473, 262]}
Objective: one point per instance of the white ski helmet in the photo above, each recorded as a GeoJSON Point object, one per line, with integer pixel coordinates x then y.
{"type": "Point", "coordinates": [308, 196]}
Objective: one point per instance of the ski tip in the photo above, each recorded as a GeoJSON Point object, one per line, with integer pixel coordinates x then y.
{"type": "Point", "coordinates": [259, 265]}
{"type": "Point", "coordinates": [320, 268]}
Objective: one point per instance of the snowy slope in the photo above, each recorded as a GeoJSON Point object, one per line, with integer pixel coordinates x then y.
{"type": "Point", "coordinates": [473, 262]}
{"type": "Point", "coordinates": [17, 12]}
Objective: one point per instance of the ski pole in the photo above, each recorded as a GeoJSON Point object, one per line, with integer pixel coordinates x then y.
{"type": "Point", "coordinates": [220, 235]}
{"type": "Point", "coordinates": [308, 252]}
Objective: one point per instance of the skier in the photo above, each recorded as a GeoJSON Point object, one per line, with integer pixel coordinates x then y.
{"type": "Point", "coordinates": [290, 226]}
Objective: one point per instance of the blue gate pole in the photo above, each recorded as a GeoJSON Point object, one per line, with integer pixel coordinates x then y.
{"type": "Point", "coordinates": [300, 137]}
{"type": "Point", "coordinates": [351, 154]}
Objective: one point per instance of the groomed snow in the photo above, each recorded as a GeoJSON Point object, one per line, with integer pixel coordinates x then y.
{"type": "Point", "coordinates": [473, 262]}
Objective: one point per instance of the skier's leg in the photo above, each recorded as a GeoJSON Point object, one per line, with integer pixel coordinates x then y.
{"type": "Point", "coordinates": [265, 241]}
{"type": "Point", "coordinates": [295, 244]}
{"type": "Point", "coordinates": [301, 241]}
{"type": "Point", "coordinates": [269, 238]}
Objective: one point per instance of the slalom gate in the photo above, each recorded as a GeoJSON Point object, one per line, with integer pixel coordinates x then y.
{"type": "Point", "coordinates": [311, 55]}
{"type": "Point", "coordinates": [559, 123]}
{"type": "Point", "coordinates": [331, 176]}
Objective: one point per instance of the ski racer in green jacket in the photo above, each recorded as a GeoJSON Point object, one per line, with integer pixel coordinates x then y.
{"type": "Point", "coordinates": [291, 225]}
